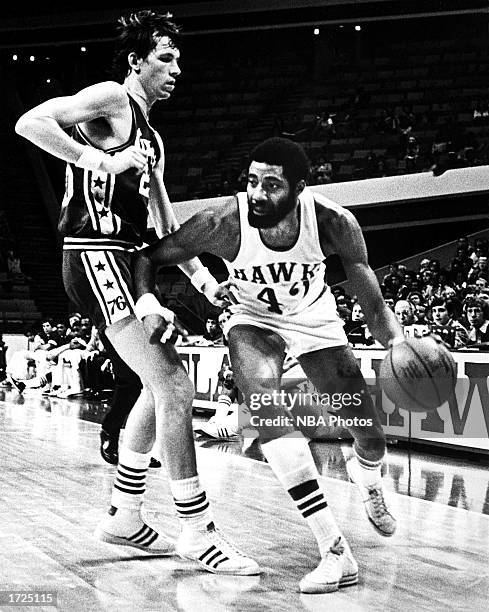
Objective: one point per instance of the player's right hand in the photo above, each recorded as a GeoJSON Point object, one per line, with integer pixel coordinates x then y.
{"type": "Point", "coordinates": [132, 157]}
{"type": "Point", "coordinates": [158, 329]}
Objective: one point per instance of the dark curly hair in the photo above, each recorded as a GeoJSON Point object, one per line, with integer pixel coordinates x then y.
{"type": "Point", "coordinates": [286, 153]}
{"type": "Point", "coordinates": [138, 33]}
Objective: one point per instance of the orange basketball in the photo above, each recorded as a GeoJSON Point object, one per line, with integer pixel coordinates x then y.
{"type": "Point", "coordinates": [419, 374]}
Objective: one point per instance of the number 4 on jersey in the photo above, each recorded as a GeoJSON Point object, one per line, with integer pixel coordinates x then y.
{"type": "Point", "coordinates": [267, 296]}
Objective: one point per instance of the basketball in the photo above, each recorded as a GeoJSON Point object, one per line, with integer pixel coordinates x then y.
{"type": "Point", "coordinates": [419, 374]}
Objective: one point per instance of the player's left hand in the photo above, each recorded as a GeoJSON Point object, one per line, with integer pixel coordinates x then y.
{"type": "Point", "coordinates": [224, 294]}
{"type": "Point", "coordinates": [158, 329]}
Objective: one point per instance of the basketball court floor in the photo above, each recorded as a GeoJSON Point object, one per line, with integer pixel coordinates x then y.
{"type": "Point", "coordinates": [55, 488]}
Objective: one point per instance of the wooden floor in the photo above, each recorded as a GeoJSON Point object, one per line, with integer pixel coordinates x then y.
{"type": "Point", "coordinates": [55, 488]}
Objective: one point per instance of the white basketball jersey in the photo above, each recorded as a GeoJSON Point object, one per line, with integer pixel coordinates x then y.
{"type": "Point", "coordinates": [281, 282]}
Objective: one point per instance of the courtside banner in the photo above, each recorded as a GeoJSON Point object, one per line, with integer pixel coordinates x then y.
{"type": "Point", "coordinates": [461, 421]}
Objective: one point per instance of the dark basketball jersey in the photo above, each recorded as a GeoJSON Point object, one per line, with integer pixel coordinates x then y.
{"type": "Point", "coordinates": [112, 207]}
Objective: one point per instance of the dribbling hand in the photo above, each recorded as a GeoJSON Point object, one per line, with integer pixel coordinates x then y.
{"type": "Point", "coordinates": [225, 294]}
{"type": "Point", "coordinates": [132, 157]}
{"type": "Point", "coordinates": [158, 329]}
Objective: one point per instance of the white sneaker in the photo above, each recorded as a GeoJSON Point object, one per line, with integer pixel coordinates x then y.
{"type": "Point", "coordinates": [337, 569]}
{"type": "Point", "coordinates": [144, 537]}
{"type": "Point", "coordinates": [222, 430]}
{"type": "Point", "coordinates": [373, 498]}
{"type": "Point", "coordinates": [212, 551]}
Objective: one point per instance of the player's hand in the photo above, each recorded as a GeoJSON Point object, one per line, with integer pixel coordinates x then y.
{"type": "Point", "coordinates": [224, 294]}
{"type": "Point", "coordinates": [132, 157]}
{"type": "Point", "coordinates": [158, 329]}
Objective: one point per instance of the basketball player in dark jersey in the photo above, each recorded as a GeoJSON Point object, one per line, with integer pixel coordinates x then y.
{"type": "Point", "coordinates": [114, 183]}
{"type": "Point", "coordinates": [274, 240]}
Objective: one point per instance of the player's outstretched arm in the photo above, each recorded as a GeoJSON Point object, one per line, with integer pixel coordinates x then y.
{"type": "Point", "coordinates": [347, 239]}
{"type": "Point", "coordinates": [201, 233]}
{"type": "Point", "coordinates": [44, 126]}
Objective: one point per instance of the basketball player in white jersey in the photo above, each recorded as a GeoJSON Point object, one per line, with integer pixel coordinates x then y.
{"type": "Point", "coordinates": [114, 183]}
{"type": "Point", "coordinates": [274, 240]}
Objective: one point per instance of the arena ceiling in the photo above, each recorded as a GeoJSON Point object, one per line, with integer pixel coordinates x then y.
{"type": "Point", "coordinates": [58, 22]}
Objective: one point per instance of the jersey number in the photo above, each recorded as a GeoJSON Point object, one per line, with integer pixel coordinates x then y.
{"type": "Point", "coordinates": [267, 296]}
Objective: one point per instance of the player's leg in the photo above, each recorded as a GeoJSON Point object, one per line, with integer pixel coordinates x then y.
{"type": "Point", "coordinates": [161, 372]}
{"type": "Point", "coordinates": [336, 373]}
{"type": "Point", "coordinates": [257, 357]}
{"type": "Point", "coordinates": [127, 389]}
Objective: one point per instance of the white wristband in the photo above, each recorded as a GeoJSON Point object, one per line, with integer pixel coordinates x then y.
{"type": "Point", "coordinates": [201, 277]}
{"type": "Point", "coordinates": [148, 304]}
{"type": "Point", "coordinates": [90, 159]}
{"type": "Point", "coordinates": [396, 341]}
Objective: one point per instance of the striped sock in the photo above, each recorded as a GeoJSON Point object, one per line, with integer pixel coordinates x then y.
{"type": "Point", "coordinates": [292, 462]}
{"type": "Point", "coordinates": [223, 406]}
{"type": "Point", "coordinates": [130, 480]}
{"type": "Point", "coordinates": [191, 502]}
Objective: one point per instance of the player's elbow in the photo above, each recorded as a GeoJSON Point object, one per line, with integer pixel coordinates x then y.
{"type": "Point", "coordinates": [23, 126]}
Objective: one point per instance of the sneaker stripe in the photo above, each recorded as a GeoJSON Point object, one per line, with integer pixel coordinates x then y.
{"type": "Point", "coordinates": [152, 538]}
{"type": "Point", "coordinates": [144, 538]}
{"type": "Point", "coordinates": [145, 532]}
{"type": "Point", "coordinates": [214, 557]}
{"type": "Point", "coordinates": [207, 552]}
{"type": "Point", "coordinates": [220, 561]}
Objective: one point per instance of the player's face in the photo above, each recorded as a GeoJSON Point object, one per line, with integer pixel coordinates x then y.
{"type": "Point", "coordinates": [269, 195]}
{"type": "Point", "coordinates": [160, 69]}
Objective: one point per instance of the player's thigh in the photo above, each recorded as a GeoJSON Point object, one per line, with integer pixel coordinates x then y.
{"type": "Point", "coordinates": [333, 369]}
{"type": "Point", "coordinates": [257, 357]}
{"type": "Point", "coordinates": [159, 366]}
{"type": "Point", "coordinates": [336, 372]}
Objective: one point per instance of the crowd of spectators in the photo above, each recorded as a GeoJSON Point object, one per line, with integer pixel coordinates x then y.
{"type": "Point", "coordinates": [63, 359]}
{"type": "Point", "coordinates": [451, 302]}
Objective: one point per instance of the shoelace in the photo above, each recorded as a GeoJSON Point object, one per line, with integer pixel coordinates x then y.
{"type": "Point", "coordinates": [378, 501]}
{"type": "Point", "coordinates": [219, 538]}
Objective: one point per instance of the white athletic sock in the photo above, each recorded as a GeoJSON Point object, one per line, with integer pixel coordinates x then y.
{"type": "Point", "coordinates": [365, 471]}
{"type": "Point", "coordinates": [191, 502]}
{"type": "Point", "coordinates": [293, 464]}
{"type": "Point", "coordinates": [130, 480]}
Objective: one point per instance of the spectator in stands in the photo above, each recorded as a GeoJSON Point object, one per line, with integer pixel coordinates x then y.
{"type": "Point", "coordinates": [13, 264]}
{"type": "Point", "coordinates": [323, 174]}
{"type": "Point", "coordinates": [223, 316]}
{"type": "Point", "coordinates": [451, 331]}
{"type": "Point", "coordinates": [477, 313]}
{"type": "Point", "coordinates": [478, 270]}
{"type": "Point", "coordinates": [421, 314]}
{"type": "Point", "coordinates": [213, 334]}
{"type": "Point", "coordinates": [412, 156]}
{"type": "Point", "coordinates": [404, 312]}
{"type": "Point", "coordinates": [414, 297]}
{"type": "Point", "coordinates": [357, 331]}
{"type": "Point", "coordinates": [44, 340]}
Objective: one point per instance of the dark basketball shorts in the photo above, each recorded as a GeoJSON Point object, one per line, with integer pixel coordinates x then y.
{"type": "Point", "coordinates": [98, 280]}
